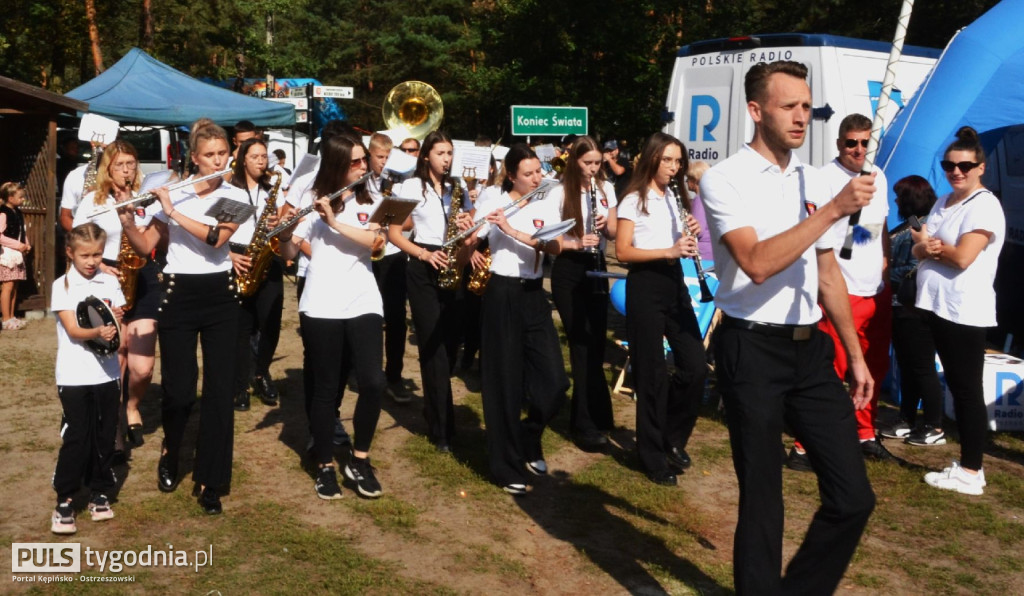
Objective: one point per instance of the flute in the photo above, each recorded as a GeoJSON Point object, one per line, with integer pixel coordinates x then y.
{"type": "Point", "coordinates": [546, 184]}
{"type": "Point", "coordinates": [310, 208]}
{"type": "Point", "coordinates": [149, 197]}
{"type": "Point", "coordinates": [705, 291]}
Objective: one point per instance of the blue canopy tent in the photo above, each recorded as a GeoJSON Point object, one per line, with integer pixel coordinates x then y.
{"type": "Point", "coordinates": [139, 89]}
{"type": "Point", "coordinates": [978, 82]}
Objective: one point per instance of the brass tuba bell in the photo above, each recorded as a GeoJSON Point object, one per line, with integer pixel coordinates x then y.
{"type": "Point", "coordinates": [413, 106]}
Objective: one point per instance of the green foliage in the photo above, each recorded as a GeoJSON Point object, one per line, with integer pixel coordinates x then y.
{"type": "Point", "coordinates": [614, 57]}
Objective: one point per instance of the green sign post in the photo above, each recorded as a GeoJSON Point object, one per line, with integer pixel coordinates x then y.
{"type": "Point", "coordinates": [548, 120]}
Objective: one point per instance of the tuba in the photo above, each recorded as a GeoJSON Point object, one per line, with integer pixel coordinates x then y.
{"type": "Point", "coordinates": [262, 247]}
{"type": "Point", "coordinates": [413, 107]}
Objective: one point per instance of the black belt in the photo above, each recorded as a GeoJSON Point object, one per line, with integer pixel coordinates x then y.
{"type": "Point", "coordinates": [793, 332]}
{"type": "Point", "coordinates": [527, 283]}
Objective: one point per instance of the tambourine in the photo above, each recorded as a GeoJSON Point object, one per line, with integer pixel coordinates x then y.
{"type": "Point", "coordinates": [92, 313]}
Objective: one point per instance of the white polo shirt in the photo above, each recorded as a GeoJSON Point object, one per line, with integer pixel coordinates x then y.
{"type": "Point", "coordinates": [605, 202]}
{"type": "Point", "coordinates": [963, 296]}
{"type": "Point", "coordinates": [298, 191]}
{"type": "Point", "coordinates": [661, 227]}
{"type": "Point", "coordinates": [863, 270]}
{"type": "Point", "coordinates": [257, 197]}
{"type": "Point", "coordinates": [430, 216]}
{"type": "Point", "coordinates": [748, 191]}
{"type": "Point", "coordinates": [339, 277]}
{"type": "Point", "coordinates": [77, 364]}
{"type": "Point", "coordinates": [187, 253]}
{"type": "Point", "coordinates": [74, 185]}
{"type": "Point", "coordinates": [509, 257]}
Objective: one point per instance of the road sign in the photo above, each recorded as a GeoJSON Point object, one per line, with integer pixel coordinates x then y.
{"type": "Point", "coordinates": [300, 103]}
{"type": "Point", "coordinates": [326, 91]}
{"type": "Point", "coordinates": [297, 91]}
{"type": "Point", "coordinates": [302, 116]}
{"type": "Point", "coordinates": [548, 120]}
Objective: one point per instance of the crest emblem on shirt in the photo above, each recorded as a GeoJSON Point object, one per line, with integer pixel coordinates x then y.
{"type": "Point", "coordinates": [538, 223]}
{"type": "Point", "coordinates": [363, 217]}
{"type": "Point", "coordinates": [604, 203]}
{"type": "Point", "coordinates": [140, 212]}
{"type": "Point", "coordinates": [811, 207]}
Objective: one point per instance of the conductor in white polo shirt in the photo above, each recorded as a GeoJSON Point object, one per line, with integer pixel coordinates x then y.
{"type": "Point", "coordinates": [770, 217]}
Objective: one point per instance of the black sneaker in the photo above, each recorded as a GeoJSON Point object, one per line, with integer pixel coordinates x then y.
{"type": "Point", "coordinates": [327, 484]}
{"type": "Point", "coordinates": [798, 461]}
{"type": "Point", "coordinates": [242, 401]}
{"type": "Point", "coordinates": [874, 449]}
{"type": "Point", "coordinates": [209, 500]}
{"type": "Point", "coordinates": [590, 441]}
{"type": "Point", "coordinates": [516, 490]}
{"type": "Point", "coordinates": [360, 471]}
{"type": "Point", "coordinates": [63, 519]}
{"type": "Point", "coordinates": [99, 508]}
{"type": "Point", "coordinates": [678, 459]}
{"type": "Point", "coordinates": [398, 392]}
{"type": "Point", "coordinates": [926, 436]}
{"type": "Point", "coordinates": [263, 387]}
{"type": "Point", "coordinates": [340, 436]}
{"type": "Point", "coordinates": [664, 477]}
{"type": "Point", "coordinates": [899, 430]}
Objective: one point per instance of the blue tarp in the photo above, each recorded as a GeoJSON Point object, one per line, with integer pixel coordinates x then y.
{"type": "Point", "coordinates": [142, 90]}
{"type": "Point", "coordinates": [978, 82]}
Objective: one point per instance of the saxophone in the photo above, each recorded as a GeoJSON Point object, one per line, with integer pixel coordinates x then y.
{"type": "Point", "coordinates": [261, 248]}
{"type": "Point", "coordinates": [129, 263]}
{"type": "Point", "coordinates": [478, 279]}
{"type": "Point", "coordinates": [449, 277]}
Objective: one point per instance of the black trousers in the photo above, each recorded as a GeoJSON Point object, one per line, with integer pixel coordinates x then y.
{"type": "Point", "coordinates": [520, 367]}
{"type": "Point", "coordinates": [470, 315]}
{"type": "Point", "coordinates": [260, 314]}
{"type": "Point", "coordinates": [658, 306]}
{"type": "Point", "coordinates": [327, 342]}
{"type": "Point", "coordinates": [583, 308]}
{"type": "Point", "coordinates": [391, 273]}
{"type": "Point", "coordinates": [200, 309]}
{"type": "Point", "coordinates": [915, 354]}
{"type": "Point", "coordinates": [769, 383]}
{"type": "Point", "coordinates": [961, 349]}
{"type": "Point", "coordinates": [87, 429]}
{"type": "Point", "coordinates": [436, 317]}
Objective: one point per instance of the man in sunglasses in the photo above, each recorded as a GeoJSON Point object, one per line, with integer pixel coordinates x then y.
{"type": "Point", "coordinates": [865, 274]}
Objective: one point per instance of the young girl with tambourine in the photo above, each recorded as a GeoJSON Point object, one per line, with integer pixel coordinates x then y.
{"type": "Point", "coordinates": [88, 381]}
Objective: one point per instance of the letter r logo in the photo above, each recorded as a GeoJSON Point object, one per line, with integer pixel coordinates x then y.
{"type": "Point", "coordinates": [696, 103]}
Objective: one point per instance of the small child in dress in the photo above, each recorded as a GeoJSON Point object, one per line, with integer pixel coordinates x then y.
{"type": "Point", "coordinates": [13, 249]}
{"type": "Point", "coordinates": [88, 383]}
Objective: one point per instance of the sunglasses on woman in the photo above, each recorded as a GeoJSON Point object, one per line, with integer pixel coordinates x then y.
{"type": "Point", "coordinates": [963, 166]}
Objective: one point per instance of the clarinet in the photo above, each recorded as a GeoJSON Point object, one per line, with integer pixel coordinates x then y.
{"type": "Point", "coordinates": [705, 291]}
{"type": "Point", "coordinates": [600, 284]}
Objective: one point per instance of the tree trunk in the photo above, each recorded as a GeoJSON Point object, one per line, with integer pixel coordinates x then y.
{"type": "Point", "coordinates": [146, 26]}
{"type": "Point", "coordinates": [94, 36]}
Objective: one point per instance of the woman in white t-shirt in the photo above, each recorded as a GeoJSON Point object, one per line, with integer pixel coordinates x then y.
{"type": "Point", "coordinates": [958, 250]}
{"type": "Point", "coordinates": [581, 300]}
{"type": "Point", "coordinates": [521, 363]}
{"type": "Point", "coordinates": [200, 304]}
{"type": "Point", "coordinates": [117, 179]}
{"type": "Point", "coordinates": [341, 313]}
{"type": "Point", "coordinates": [435, 310]}
{"type": "Point", "coordinates": [651, 238]}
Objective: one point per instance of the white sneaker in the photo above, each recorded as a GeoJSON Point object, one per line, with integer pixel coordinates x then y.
{"type": "Point", "coordinates": [956, 479]}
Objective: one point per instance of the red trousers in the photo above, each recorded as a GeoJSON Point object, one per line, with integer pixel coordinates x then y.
{"type": "Point", "coordinates": [872, 319]}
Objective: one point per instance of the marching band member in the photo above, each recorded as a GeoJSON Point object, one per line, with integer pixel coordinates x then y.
{"type": "Point", "coordinates": [88, 384]}
{"type": "Point", "coordinates": [435, 310]}
{"type": "Point", "coordinates": [117, 179]}
{"type": "Point", "coordinates": [200, 304]}
{"type": "Point", "coordinates": [582, 302]}
{"type": "Point", "coordinates": [650, 238]}
{"type": "Point", "coordinates": [341, 313]}
{"type": "Point", "coordinates": [520, 359]}
{"type": "Point", "coordinates": [390, 273]}
{"type": "Point", "coordinates": [261, 312]}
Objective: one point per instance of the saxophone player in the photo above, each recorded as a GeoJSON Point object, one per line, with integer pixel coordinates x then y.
{"type": "Point", "coordinates": [118, 178]}
{"type": "Point", "coordinates": [260, 314]}
{"type": "Point", "coordinates": [435, 312]}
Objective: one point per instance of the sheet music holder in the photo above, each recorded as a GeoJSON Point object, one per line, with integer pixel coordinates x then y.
{"type": "Point", "coordinates": [226, 210]}
{"type": "Point", "coordinates": [393, 210]}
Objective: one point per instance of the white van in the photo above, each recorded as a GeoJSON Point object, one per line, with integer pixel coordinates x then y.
{"type": "Point", "coordinates": [159, 148]}
{"type": "Point", "coordinates": [706, 106]}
